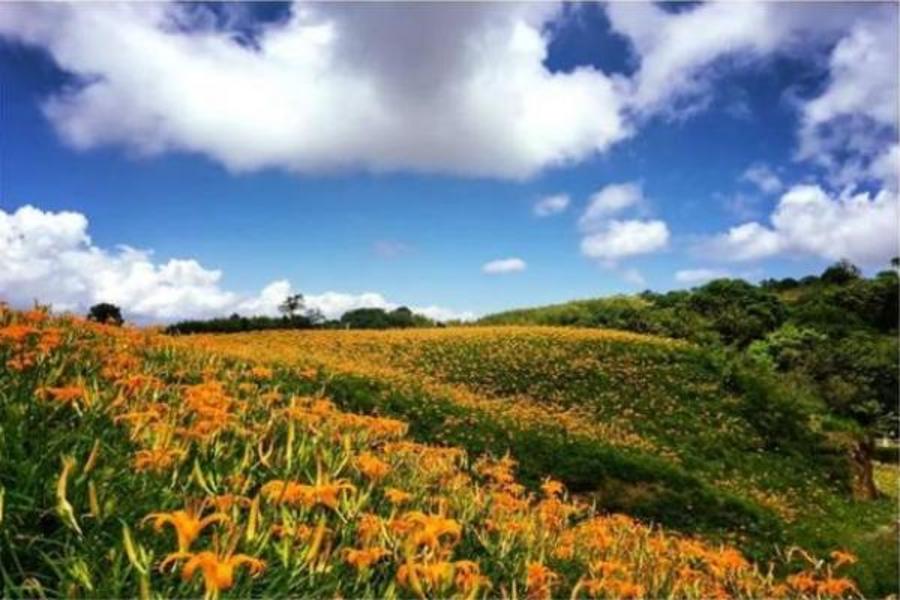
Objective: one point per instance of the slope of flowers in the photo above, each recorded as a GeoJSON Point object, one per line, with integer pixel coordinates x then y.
{"type": "Point", "coordinates": [134, 469]}
{"type": "Point", "coordinates": [638, 393]}
{"type": "Point", "coordinates": [442, 360]}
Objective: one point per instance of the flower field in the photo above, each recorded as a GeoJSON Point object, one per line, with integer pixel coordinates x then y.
{"type": "Point", "coordinates": [652, 427]}
{"type": "Point", "coordinates": [133, 465]}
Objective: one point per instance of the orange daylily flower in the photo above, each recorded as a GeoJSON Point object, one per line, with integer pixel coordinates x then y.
{"type": "Point", "coordinates": [552, 488]}
{"type": "Point", "coordinates": [539, 580]}
{"type": "Point", "coordinates": [434, 576]}
{"type": "Point", "coordinates": [365, 557]}
{"type": "Point", "coordinates": [156, 459]}
{"type": "Point", "coordinates": [368, 528]}
{"type": "Point", "coordinates": [468, 577]}
{"type": "Point", "coordinates": [395, 496]}
{"type": "Point", "coordinates": [188, 524]}
{"type": "Point", "coordinates": [261, 373]}
{"type": "Point", "coordinates": [371, 466]}
{"type": "Point", "coordinates": [836, 588]}
{"type": "Point", "coordinates": [290, 492]}
{"type": "Point", "coordinates": [843, 558]}
{"type": "Point", "coordinates": [64, 395]}
{"type": "Point", "coordinates": [218, 570]}
{"type": "Point", "coordinates": [428, 530]}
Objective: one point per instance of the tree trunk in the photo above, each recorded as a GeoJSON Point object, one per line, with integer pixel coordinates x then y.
{"type": "Point", "coordinates": [862, 475]}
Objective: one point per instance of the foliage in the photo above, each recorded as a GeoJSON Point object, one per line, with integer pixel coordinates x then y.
{"type": "Point", "coordinates": [134, 468]}
{"type": "Point", "coordinates": [236, 323]}
{"type": "Point", "coordinates": [738, 311]}
{"type": "Point", "coordinates": [840, 273]}
{"type": "Point", "coordinates": [378, 318]}
{"type": "Point", "coordinates": [106, 313]}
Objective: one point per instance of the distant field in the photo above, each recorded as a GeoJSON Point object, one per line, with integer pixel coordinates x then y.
{"type": "Point", "coordinates": [645, 425]}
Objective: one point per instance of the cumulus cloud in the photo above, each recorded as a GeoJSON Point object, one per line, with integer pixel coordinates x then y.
{"type": "Point", "coordinates": [610, 240]}
{"type": "Point", "coordinates": [503, 265]}
{"type": "Point", "coordinates": [674, 49]}
{"type": "Point", "coordinates": [808, 221]}
{"type": "Point", "coordinates": [764, 178]}
{"type": "Point", "coordinates": [551, 205]}
{"type": "Point", "coordinates": [679, 52]}
{"type": "Point", "coordinates": [452, 88]}
{"type": "Point", "coordinates": [846, 127]}
{"type": "Point", "coordinates": [694, 276]}
{"type": "Point", "coordinates": [610, 200]}
{"type": "Point", "coordinates": [458, 88]}
{"type": "Point", "coordinates": [616, 240]}
{"type": "Point", "coordinates": [886, 167]}
{"type": "Point", "coordinates": [49, 257]}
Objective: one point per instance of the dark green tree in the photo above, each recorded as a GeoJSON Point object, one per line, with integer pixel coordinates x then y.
{"type": "Point", "coordinates": [292, 305]}
{"type": "Point", "coordinates": [841, 273]}
{"type": "Point", "coordinates": [105, 312]}
{"type": "Point", "coordinates": [738, 311]}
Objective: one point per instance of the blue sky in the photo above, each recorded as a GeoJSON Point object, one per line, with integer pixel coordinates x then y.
{"type": "Point", "coordinates": [760, 150]}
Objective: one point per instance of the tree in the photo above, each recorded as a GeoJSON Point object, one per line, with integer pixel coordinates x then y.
{"type": "Point", "coordinates": [291, 305]}
{"type": "Point", "coordinates": [841, 273]}
{"type": "Point", "coordinates": [106, 313]}
{"type": "Point", "coordinates": [315, 316]}
{"type": "Point", "coordinates": [366, 318]}
{"type": "Point", "coordinates": [738, 311]}
{"type": "Point", "coordinates": [401, 317]}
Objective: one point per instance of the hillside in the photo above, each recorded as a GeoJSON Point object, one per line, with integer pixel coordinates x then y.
{"type": "Point", "coordinates": [136, 468]}
{"type": "Point", "coordinates": [659, 429]}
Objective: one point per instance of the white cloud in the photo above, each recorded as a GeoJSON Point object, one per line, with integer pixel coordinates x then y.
{"type": "Point", "coordinates": [692, 276]}
{"type": "Point", "coordinates": [676, 48]}
{"type": "Point", "coordinates": [503, 265]}
{"type": "Point", "coordinates": [437, 313]}
{"type": "Point", "coordinates": [749, 241]}
{"type": "Point", "coordinates": [50, 257]}
{"type": "Point", "coordinates": [334, 304]}
{"type": "Point", "coordinates": [763, 178]}
{"type": "Point", "coordinates": [681, 52]}
{"type": "Point", "coordinates": [551, 205]}
{"type": "Point", "coordinates": [452, 88]}
{"type": "Point", "coordinates": [807, 221]}
{"type": "Point", "coordinates": [609, 240]}
{"type": "Point", "coordinates": [621, 239]}
{"type": "Point", "coordinates": [886, 167]}
{"type": "Point", "coordinates": [847, 127]}
{"type": "Point", "coordinates": [610, 200]}
{"type": "Point", "coordinates": [457, 88]}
